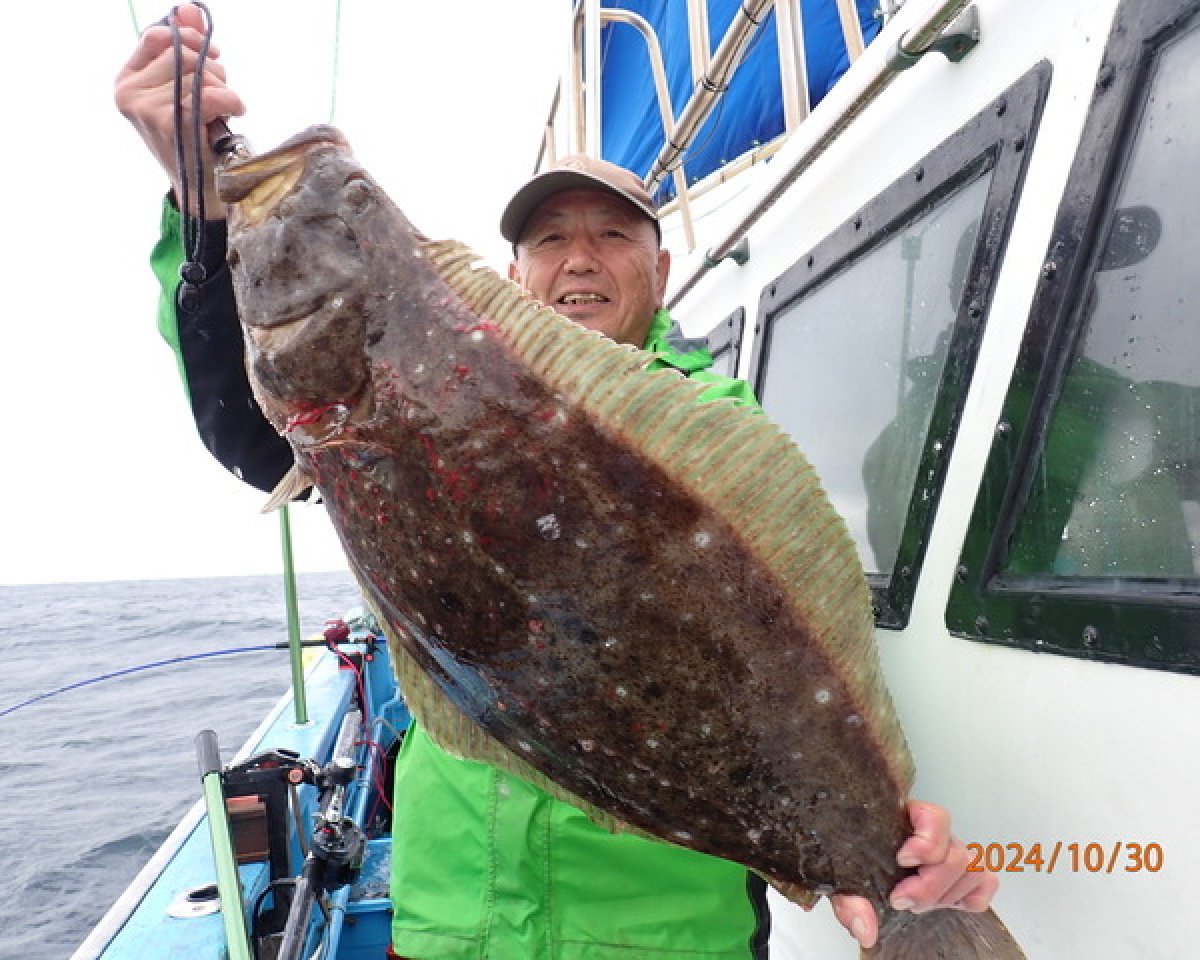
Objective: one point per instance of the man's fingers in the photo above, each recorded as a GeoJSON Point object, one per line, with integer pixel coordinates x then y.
{"type": "Point", "coordinates": [189, 15]}
{"type": "Point", "coordinates": [858, 916]}
{"type": "Point", "coordinates": [929, 886]}
{"type": "Point", "coordinates": [930, 841]}
{"type": "Point", "coordinates": [973, 892]}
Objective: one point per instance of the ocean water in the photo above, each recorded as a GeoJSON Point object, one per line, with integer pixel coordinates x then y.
{"type": "Point", "coordinates": [93, 779]}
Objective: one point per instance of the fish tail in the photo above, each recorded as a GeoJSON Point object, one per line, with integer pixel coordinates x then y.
{"type": "Point", "coordinates": [943, 935]}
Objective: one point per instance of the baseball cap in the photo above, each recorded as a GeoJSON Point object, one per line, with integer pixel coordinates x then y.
{"type": "Point", "coordinates": [573, 172]}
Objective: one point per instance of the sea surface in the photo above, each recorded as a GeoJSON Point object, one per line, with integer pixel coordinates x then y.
{"type": "Point", "coordinates": [93, 779]}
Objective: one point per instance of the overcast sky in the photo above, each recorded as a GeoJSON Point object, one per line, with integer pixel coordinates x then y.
{"type": "Point", "coordinates": [103, 477]}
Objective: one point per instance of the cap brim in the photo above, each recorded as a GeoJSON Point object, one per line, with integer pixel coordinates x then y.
{"type": "Point", "coordinates": [526, 200]}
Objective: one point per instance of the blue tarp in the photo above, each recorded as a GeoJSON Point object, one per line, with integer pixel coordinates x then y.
{"type": "Point", "coordinates": [749, 114]}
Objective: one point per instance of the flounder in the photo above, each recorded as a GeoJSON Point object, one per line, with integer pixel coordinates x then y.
{"type": "Point", "coordinates": [640, 601]}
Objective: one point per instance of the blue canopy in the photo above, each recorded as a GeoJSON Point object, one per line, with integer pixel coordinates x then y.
{"type": "Point", "coordinates": [750, 113]}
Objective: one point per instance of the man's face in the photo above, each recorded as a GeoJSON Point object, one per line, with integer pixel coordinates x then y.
{"type": "Point", "coordinates": [594, 258]}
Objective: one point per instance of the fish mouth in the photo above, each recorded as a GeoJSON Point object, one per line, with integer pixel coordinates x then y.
{"type": "Point", "coordinates": [258, 183]}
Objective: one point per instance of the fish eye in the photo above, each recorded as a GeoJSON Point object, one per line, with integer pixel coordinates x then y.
{"type": "Point", "coordinates": [357, 193]}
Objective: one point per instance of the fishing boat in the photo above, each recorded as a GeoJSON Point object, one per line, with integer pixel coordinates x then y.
{"type": "Point", "coordinates": [954, 269]}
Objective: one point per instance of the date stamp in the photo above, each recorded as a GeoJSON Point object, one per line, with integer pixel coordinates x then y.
{"type": "Point", "coordinates": [1117, 856]}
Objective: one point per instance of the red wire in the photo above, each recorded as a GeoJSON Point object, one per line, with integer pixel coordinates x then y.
{"type": "Point", "coordinates": [380, 783]}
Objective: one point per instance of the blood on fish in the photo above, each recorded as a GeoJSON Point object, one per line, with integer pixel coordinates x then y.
{"type": "Point", "coordinates": [311, 415]}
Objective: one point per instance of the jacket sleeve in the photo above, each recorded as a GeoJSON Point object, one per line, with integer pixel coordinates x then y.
{"type": "Point", "coordinates": [207, 339]}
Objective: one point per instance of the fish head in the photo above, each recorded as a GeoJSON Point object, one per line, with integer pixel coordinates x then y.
{"type": "Point", "coordinates": [299, 245]}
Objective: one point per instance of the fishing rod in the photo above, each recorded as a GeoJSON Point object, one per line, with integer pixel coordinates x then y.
{"type": "Point", "coordinates": [335, 854]}
{"type": "Point", "coordinates": [333, 636]}
{"type": "Point", "coordinates": [150, 665]}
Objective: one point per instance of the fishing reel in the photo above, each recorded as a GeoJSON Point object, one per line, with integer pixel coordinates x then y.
{"type": "Point", "coordinates": [337, 842]}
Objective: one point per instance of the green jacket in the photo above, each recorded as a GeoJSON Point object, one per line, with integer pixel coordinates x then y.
{"type": "Point", "coordinates": [484, 864]}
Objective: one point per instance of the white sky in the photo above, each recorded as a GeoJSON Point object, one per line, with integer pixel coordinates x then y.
{"type": "Point", "coordinates": [103, 476]}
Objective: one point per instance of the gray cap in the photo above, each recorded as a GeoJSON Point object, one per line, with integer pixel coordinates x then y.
{"type": "Point", "coordinates": [574, 172]}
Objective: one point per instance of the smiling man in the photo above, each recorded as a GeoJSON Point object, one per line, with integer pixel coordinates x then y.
{"type": "Point", "coordinates": [485, 863]}
{"type": "Point", "coordinates": [587, 243]}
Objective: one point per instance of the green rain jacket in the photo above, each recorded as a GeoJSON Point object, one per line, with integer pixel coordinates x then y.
{"type": "Point", "coordinates": [486, 866]}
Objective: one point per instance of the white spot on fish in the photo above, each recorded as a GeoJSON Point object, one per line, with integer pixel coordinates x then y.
{"type": "Point", "coordinates": [706, 729]}
{"type": "Point", "coordinates": [587, 745]}
{"type": "Point", "coordinates": [664, 783]}
{"type": "Point", "coordinates": [337, 303]}
{"type": "Point", "coordinates": [652, 743]}
{"type": "Point", "coordinates": [681, 835]}
{"type": "Point", "coordinates": [524, 745]}
{"type": "Point", "coordinates": [753, 835]}
{"type": "Point", "coordinates": [582, 544]}
{"type": "Point", "coordinates": [622, 692]}
{"type": "Point", "coordinates": [468, 537]}
{"type": "Point", "coordinates": [548, 527]}
{"type": "Point", "coordinates": [647, 597]}
{"type": "Point", "coordinates": [611, 643]}
{"type": "Point", "coordinates": [419, 368]}
{"type": "Point", "coordinates": [822, 696]}
{"type": "Point", "coordinates": [702, 538]}
{"type": "Point", "coordinates": [854, 720]}
{"type": "Point", "coordinates": [499, 570]}
{"type": "Point", "coordinates": [477, 335]}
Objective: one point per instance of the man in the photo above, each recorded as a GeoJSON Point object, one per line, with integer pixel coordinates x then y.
{"type": "Point", "coordinates": [484, 863]}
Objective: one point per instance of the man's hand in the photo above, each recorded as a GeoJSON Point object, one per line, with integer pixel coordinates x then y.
{"type": "Point", "coordinates": [941, 878]}
{"type": "Point", "coordinates": [145, 94]}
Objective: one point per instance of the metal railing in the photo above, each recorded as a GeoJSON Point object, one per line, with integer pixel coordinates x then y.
{"type": "Point", "coordinates": [711, 73]}
{"type": "Point", "coordinates": [921, 39]}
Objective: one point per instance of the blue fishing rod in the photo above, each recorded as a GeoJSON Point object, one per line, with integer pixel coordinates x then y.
{"type": "Point", "coordinates": [319, 641]}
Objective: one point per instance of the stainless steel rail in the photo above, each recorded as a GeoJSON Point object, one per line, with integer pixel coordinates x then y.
{"type": "Point", "coordinates": [914, 44]}
{"type": "Point", "coordinates": [724, 62]}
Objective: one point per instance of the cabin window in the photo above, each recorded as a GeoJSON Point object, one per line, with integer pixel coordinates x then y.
{"type": "Point", "coordinates": [1117, 485]}
{"type": "Point", "coordinates": [1096, 543]}
{"type": "Point", "coordinates": [861, 410]}
{"type": "Point", "coordinates": [868, 341]}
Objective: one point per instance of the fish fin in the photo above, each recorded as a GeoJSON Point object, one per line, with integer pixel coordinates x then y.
{"type": "Point", "coordinates": [294, 483]}
{"type": "Point", "coordinates": [803, 897]}
{"type": "Point", "coordinates": [948, 934]}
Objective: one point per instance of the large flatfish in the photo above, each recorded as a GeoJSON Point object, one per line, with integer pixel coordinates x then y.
{"type": "Point", "coordinates": [588, 575]}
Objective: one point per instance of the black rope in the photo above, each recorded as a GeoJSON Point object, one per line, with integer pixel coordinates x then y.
{"type": "Point", "coordinates": [192, 270]}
